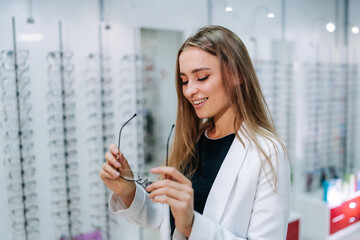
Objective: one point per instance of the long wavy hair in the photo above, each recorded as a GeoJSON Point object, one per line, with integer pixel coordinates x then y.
{"type": "Point", "coordinates": [244, 94]}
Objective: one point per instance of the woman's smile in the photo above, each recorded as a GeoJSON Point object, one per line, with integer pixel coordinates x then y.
{"type": "Point", "coordinates": [200, 102]}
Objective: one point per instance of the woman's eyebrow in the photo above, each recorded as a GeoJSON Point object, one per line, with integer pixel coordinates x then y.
{"type": "Point", "coordinates": [196, 70]}
{"type": "Point", "coordinates": [200, 69]}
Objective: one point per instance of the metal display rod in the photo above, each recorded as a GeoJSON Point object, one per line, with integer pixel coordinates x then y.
{"type": "Point", "coordinates": [68, 202]}
{"type": "Point", "coordinates": [102, 96]}
{"type": "Point", "coordinates": [20, 131]}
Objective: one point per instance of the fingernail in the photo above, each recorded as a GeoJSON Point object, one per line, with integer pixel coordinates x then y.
{"type": "Point", "coordinates": [117, 156]}
{"type": "Point", "coordinates": [116, 173]}
{"type": "Point", "coordinates": [116, 151]}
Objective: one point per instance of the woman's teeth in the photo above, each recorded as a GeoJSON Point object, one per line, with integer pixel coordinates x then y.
{"type": "Point", "coordinates": [200, 101]}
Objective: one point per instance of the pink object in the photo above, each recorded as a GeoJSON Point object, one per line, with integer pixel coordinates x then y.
{"type": "Point", "coordinates": [96, 235]}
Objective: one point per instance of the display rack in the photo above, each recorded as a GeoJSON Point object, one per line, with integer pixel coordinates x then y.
{"type": "Point", "coordinates": [100, 126]}
{"type": "Point", "coordinates": [62, 143]}
{"type": "Point", "coordinates": [131, 101]}
{"type": "Point", "coordinates": [276, 80]}
{"type": "Point", "coordinates": [331, 122]}
{"type": "Point", "coordinates": [19, 159]}
{"type": "Point", "coordinates": [63, 178]}
{"type": "Point", "coordinates": [329, 204]}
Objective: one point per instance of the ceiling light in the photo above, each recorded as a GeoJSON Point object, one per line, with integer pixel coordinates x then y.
{"type": "Point", "coordinates": [330, 27]}
{"type": "Point", "coordinates": [355, 30]}
{"type": "Point", "coordinates": [228, 9]}
{"type": "Point", "coordinates": [271, 15]}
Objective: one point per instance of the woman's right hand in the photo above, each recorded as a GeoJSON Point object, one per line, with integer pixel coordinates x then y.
{"type": "Point", "coordinates": [110, 175]}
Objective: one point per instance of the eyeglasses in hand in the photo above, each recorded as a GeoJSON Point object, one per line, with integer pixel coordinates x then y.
{"type": "Point", "coordinates": [128, 174]}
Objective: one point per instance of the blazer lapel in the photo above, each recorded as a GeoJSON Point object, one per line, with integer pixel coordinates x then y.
{"type": "Point", "coordinates": [224, 181]}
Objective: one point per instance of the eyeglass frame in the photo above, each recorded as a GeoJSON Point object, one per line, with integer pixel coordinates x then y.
{"type": "Point", "coordinates": [146, 181]}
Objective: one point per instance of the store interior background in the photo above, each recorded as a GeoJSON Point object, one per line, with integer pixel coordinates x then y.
{"type": "Point", "coordinates": [119, 58]}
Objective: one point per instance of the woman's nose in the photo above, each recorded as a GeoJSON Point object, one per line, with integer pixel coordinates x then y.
{"type": "Point", "coordinates": [191, 89]}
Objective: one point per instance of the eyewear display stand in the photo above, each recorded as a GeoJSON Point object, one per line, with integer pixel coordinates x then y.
{"type": "Point", "coordinates": [62, 144]}
{"type": "Point", "coordinates": [19, 160]}
{"type": "Point", "coordinates": [329, 152]}
{"type": "Point", "coordinates": [331, 96]}
{"type": "Point", "coordinates": [55, 130]}
{"type": "Point", "coordinates": [100, 125]}
{"type": "Point", "coordinates": [277, 82]}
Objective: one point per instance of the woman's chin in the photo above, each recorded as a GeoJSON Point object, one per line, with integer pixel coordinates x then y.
{"type": "Point", "coordinates": [202, 115]}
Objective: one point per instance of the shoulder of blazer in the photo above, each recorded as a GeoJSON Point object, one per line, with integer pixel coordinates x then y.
{"type": "Point", "coordinates": [269, 145]}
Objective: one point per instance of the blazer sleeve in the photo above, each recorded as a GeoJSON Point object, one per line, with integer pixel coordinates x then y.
{"type": "Point", "coordinates": [142, 210]}
{"type": "Point", "coordinates": [270, 213]}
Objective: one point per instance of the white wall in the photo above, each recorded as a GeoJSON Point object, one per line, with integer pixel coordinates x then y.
{"type": "Point", "coordinates": [304, 19]}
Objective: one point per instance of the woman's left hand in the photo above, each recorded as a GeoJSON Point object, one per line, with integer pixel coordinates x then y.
{"type": "Point", "coordinates": [176, 191]}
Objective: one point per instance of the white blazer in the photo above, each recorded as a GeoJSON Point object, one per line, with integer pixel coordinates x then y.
{"type": "Point", "coordinates": [242, 203]}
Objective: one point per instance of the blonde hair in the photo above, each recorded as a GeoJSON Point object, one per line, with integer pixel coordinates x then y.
{"type": "Point", "coordinates": [244, 93]}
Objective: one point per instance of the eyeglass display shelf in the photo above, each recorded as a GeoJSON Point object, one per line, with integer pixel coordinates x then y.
{"type": "Point", "coordinates": [322, 221]}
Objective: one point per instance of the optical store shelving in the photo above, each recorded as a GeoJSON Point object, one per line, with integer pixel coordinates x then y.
{"type": "Point", "coordinates": [276, 80]}
{"type": "Point", "coordinates": [99, 81]}
{"type": "Point", "coordinates": [63, 143]}
{"type": "Point", "coordinates": [18, 142]}
{"type": "Point", "coordinates": [330, 202]}
{"type": "Point", "coordinates": [64, 95]}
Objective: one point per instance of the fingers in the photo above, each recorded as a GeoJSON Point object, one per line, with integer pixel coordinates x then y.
{"type": "Point", "coordinates": [108, 172]}
{"type": "Point", "coordinates": [167, 184]}
{"type": "Point", "coordinates": [115, 161]}
{"type": "Point", "coordinates": [182, 193]}
{"type": "Point", "coordinates": [180, 189]}
{"type": "Point", "coordinates": [114, 150]}
{"type": "Point", "coordinates": [177, 192]}
{"type": "Point", "coordinates": [116, 158]}
{"type": "Point", "coordinates": [104, 174]}
{"type": "Point", "coordinates": [173, 173]}
{"type": "Point", "coordinates": [168, 200]}
{"type": "Point", "coordinates": [111, 159]}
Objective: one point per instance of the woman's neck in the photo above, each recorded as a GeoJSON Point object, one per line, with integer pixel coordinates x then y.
{"type": "Point", "coordinates": [224, 124]}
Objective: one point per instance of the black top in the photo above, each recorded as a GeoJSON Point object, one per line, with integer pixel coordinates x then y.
{"type": "Point", "coordinates": [211, 153]}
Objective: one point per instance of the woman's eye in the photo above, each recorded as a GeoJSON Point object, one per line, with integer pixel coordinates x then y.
{"type": "Point", "coordinates": [204, 78]}
{"type": "Point", "coordinates": [184, 83]}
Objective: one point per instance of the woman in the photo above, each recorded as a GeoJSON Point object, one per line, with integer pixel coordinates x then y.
{"type": "Point", "coordinates": [228, 175]}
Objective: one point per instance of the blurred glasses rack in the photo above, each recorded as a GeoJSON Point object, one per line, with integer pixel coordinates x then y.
{"type": "Point", "coordinates": [62, 143]}
{"type": "Point", "coordinates": [98, 79]}
{"type": "Point", "coordinates": [18, 157]}
{"type": "Point", "coordinates": [276, 80]}
{"type": "Point", "coordinates": [331, 121]}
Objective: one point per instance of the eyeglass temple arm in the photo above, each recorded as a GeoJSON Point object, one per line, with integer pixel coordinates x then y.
{"type": "Point", "coordinates": [123, 127]}
{"type": "Point", "coordinates": [167, 145]}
